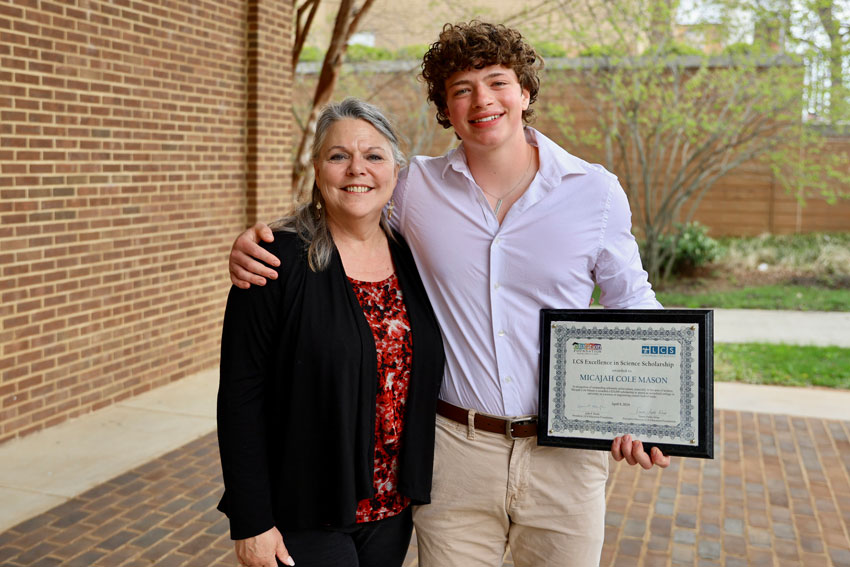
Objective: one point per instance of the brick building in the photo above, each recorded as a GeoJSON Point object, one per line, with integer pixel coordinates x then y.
{"type": "Point", "coordinates": [137, 138]}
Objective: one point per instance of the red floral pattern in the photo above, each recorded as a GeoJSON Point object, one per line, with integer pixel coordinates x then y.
{"type": "Point", "coordinates": [384, 308]}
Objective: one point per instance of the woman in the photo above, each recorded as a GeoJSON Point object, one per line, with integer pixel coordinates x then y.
{"type": "Point", "coordinates": [330, 374]}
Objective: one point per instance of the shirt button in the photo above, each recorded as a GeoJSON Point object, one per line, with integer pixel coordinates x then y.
{"type": "Point", "coordinates": [501, 333]}
{"type": "Point", "coordinates": [497, 241]}
{"type": "Point", "coordinates": [497, 285]}
{"type": "Point", "coordinates": [507, 379]}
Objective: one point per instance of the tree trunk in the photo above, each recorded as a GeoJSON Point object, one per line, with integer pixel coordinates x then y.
{"type": "Point", "coordinates": [835, 57]}
{"type": "Point", "coordinates": [302, 27]}
{"type": "Point", "coordinates": [347, 19]}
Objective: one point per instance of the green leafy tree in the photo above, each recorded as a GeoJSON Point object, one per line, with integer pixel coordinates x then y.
{"type": "Point", "coordinates": [817, 30]}
{"type": "Point", "coordinates": [835, 22]}
{"type": "Point", "coordinates": [671, 125]}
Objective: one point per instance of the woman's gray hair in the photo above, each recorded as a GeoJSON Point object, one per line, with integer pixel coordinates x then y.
{"type": "Point", "coordinates": [359, 110]}
{"type": "Point", "coordinates": [309, 220]}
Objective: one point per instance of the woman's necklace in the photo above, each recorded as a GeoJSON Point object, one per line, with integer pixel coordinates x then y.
{"type": "Point", "coordinates": [516, 186]}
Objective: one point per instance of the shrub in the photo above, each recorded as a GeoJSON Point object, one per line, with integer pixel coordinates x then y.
{"type": "Point", "coordinates": [359, 52]}
{"type": "Point", "coordinates": [310, 53]}
{"type": "Point", "coordinates": [826, 254]}
{"type": "Point", "coordinates": [674, 49]}
{"type": "Point", "coordinates": [412, 51]}
{"type": "Point", "coordinates": [740, 49]}
{"type": "Point", "coordinates": [550, 49]}
{"type": "Point", "coordinates": [694, 247]}
{"type": "Point", "coordinates": [603, 51]}
{"type": "Point", "coordinates": [691, 247]}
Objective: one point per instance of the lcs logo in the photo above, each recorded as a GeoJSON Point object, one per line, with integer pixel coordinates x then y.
{"type": "Point", "coordinates": [657, 349]}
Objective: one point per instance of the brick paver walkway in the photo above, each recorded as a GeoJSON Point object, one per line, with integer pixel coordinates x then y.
{"type": "Point", "coordinates": [777, 493]}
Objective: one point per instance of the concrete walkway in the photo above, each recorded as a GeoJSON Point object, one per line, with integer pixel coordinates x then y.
{"type": "Point", "coordinates": [790, 460]}
{"type": "Point", "coordinates": [50, 467]}
{"type": "Point", "coordinates": [789, 327]}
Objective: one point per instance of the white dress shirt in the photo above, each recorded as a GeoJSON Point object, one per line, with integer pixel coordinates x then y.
{"type": "Point", "coordinates": [487, 282]}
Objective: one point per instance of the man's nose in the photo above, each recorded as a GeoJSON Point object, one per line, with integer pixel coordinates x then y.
{"type": "Point", "coordinates": [482, 97]}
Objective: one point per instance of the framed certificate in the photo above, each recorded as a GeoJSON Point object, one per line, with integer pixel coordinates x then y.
{"type": "Point", "coordinates": [611, 372]}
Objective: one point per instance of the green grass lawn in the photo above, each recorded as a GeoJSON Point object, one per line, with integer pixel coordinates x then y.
{"type": "Point", "coordinates": [803, 272]}
{"type": "Point", "coordinates": [792, 297]}
{"type": "Point", "coordinates": [782, 365]}
{"type": "Point", "coordinates": [776, 364]}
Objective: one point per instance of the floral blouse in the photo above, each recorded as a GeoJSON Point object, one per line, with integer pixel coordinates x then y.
{"type": "Point", "coordinates": [386, 313]}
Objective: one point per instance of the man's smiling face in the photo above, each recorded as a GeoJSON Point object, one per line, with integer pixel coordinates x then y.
{"type": "Point", "coordinates": [485, 105]}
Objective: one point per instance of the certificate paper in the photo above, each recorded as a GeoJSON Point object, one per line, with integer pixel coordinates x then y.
{"type": "Point", "coordinates": [647, 373]}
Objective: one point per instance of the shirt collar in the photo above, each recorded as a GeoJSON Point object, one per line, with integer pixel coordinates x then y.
{"type": "Point", "coordinates": [456, 159]}
{"type": "Point", "coordinates": [555, 162]}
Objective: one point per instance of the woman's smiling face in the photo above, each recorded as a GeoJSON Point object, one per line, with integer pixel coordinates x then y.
{"type": "Point", "coordinates": [355, 171]}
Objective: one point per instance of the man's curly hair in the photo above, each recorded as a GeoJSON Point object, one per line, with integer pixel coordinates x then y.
{"type": "Point", "coordinates": [477, 45]}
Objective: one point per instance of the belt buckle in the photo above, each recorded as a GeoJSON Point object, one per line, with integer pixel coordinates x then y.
{"type": "Point", "coordinates": [509, 423]}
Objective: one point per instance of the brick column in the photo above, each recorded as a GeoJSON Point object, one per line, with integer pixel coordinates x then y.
{"type": "Point", "coordinates": [269, 121]}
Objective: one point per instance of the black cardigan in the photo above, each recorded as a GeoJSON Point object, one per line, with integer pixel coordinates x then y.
{"type": "Point", "coordinates": [296, 399]}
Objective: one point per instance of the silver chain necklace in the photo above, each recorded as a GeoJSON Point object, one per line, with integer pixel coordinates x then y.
{"type": "Point", "coordinates": [516, 186]}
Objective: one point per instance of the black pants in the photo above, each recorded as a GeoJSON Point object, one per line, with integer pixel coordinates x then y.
{"type": "Point", "coordinates": [372, 544]}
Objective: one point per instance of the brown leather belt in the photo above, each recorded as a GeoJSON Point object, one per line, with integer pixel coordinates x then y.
{"type": "Point", "coordinates": [511, 428]}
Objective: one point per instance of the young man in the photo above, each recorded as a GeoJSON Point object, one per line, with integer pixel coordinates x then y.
{"type": "Point", "coordinates": [506, 224]}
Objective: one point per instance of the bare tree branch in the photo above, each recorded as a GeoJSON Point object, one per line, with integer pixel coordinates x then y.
{"type": "Point", "coordinates": [302, 29]}
{"type": "Point", "coordinates": [347, 19]}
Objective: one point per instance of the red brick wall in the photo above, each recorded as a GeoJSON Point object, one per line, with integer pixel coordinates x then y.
{"type": "Point", "coordinates": [130, 130]}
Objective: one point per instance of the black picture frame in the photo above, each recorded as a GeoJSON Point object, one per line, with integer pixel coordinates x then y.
{"type": "Point", "coordinates": [700, 320]}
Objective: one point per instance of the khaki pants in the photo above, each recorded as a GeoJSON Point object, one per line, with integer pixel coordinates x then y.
{"type": "Point", "coordinates": [548, 503]}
